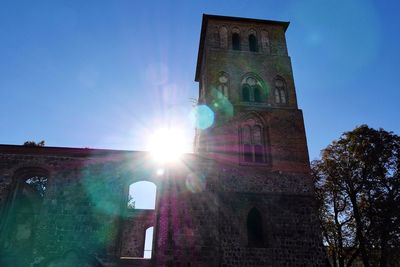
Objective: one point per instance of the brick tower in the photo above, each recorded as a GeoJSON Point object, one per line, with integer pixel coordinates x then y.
{"type": "Point", "coordinates": [266, 208]}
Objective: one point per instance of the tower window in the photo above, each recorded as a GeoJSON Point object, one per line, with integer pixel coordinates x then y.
{"type": "Point", "coordinates": [253, 46]}
{"type": "Point", "coordinates": [252, 141]}
{"type": "Point", "coordinates": [255, 235]}
{"type": "Point", "coordinates": [252, 89]}
{"type": "Point", "coordinates": [280, 91]}
{"type": "Point", "coordinates": [235, 41]}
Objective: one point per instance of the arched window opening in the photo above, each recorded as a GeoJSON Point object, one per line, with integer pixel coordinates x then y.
{"type": "Point", "coordinates": [255, 235]}
{"type": "Point", "coordinates": [252, 142]}
{"type": "Point", "coordinates": [223, 37]}
{"type": "Point", "coordinates": [246, 93]}
{"type": "Point", "coordinates": [18, 220]}
{"type": "Point", "coordinates": [253, 46]}
{"type": "Point", "coordinates": [223, 85]}
{"type": "Point", "coordinates": [148, 243]}
{"type": "Point", "coordinates": [235, 41]}
{"type": "Point", "coordinates": [280, 91]}
{"type": "Point", "coordinates": [252, 89]}
{"type": "Point", "coordinates": [142, 195]}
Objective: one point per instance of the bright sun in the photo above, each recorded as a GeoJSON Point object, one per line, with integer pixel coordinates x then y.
{"type": "Point", "coordinates": [167, 145]}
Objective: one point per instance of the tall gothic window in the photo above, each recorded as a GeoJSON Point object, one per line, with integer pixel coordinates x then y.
{"type": "Point", "coordinates": [280, 91]}
{"type": "Point", "coordinates": [255, 235]}
{"type": "Point", "coordinates": [17, 223]}
{"type": "Point", "coordinates": [223, 83]}
{"type": "Point", "coordinates": [252, 143]}
{"type": "Point", "coordinates": [251, 89]}
{"type": "Point", "coordinates": [253, 46]}
{"type": "Point", "coordinates": [235, 41]}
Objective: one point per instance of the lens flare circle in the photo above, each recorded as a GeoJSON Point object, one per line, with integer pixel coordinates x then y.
{"type": "Point", "coordinates": [202, 117]}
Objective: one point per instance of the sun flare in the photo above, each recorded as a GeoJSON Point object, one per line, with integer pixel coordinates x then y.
{"type": "Point", "coordinates": [167, 145]}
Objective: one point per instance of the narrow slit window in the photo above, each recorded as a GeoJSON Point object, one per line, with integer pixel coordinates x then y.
{"type": "Point", "coordinates": [148, 243]}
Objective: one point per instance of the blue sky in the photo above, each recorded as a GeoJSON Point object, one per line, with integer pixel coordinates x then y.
{"type": "Point", "coordinates": [105, 74]}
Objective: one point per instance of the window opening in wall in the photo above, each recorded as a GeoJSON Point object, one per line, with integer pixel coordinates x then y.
{"type": "Point", "coordinates": [148, 243]}
{"type": "Point", "coordinates": [235, 41]}
{"type": "Point", "coordinates": [252, 141]}
{"type": "Point", "coordinates": [255, 229]}
{"type": "Point", "coordinates": [18, 225]}
{"type": "Point", "coordinates": [253, 47]}
{"type": "Point", "coordinates": [252, 90]}
{"type": "Point", "coordinates": [142, 195]}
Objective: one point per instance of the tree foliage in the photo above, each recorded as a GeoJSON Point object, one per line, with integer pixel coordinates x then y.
{"type": "Point", "coordinates": [358, 186]}
{"type": "Point", "coordinates": [33, 143]}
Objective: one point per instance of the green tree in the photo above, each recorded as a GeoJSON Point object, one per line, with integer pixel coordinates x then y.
{"type": "Point", "coordinates": [358, 184]}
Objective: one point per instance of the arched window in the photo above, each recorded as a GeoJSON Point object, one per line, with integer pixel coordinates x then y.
{"type": "Point", "coordinates": [148, 243]}
{"type": "Point", "coordinates": [235, 41]}
{"type": "Point", "coordinates": [252, 89]}
{"type": "Point", "coordinates": [223, 83]}
{"type": "Point", "coordinates": [280, 91]}
{"type": "Point", "coordinates": [255, 235]}
{"type": "Point", "coordinates": [252, 143]}
{"type": "Point", "coordinates": [18, 219]}
{"type": "Point", "coordinates": [223, 37]}
{"type": "Point", "coordinates": [253, 46]}
{"type": "Point", "coordinates": [142, 195]}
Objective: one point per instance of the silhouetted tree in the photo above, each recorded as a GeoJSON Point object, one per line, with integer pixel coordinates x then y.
{"type": "Point", "coordinates": [33, 143]}
{"type": "Point", "coordinates": [358, 185]}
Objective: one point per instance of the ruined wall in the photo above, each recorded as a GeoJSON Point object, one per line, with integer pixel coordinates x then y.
{"type": "Point", "coordinates": [80, 210]}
